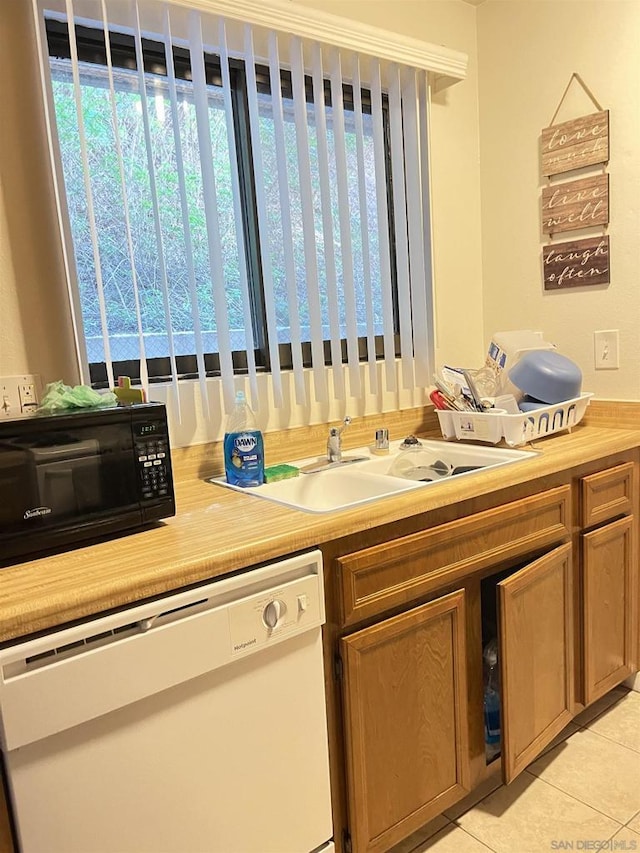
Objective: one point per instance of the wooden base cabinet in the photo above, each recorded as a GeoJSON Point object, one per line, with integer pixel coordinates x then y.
{"type": "Point", "coordinates": [405, 701]}
{"type": "Point", "coordinates": [552, 576]}
{"type": "Point", "coordinates": [610, 599]}
{"type": "Point", "coordinates": [536, 657]}
{"type": "Point", "coordinates": [609, 577]}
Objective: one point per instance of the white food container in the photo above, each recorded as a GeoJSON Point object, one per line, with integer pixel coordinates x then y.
{"type": "Point", "coordinates": [517, 429]}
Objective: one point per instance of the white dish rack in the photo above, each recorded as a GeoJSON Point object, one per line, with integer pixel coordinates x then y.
{"type": "Point", "coordinates": [517, 429]}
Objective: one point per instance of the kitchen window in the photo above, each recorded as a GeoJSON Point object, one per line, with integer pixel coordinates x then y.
{"type": "Point", "coordinates": [244, 205]}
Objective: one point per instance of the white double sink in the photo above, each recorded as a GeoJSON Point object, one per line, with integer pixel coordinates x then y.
{"type": "Point", "coordinates": [351, 484]}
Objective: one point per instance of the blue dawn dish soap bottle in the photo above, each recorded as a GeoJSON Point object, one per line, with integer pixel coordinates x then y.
{"type": "Point", "coordinates": [243, 446]}
{"type": "Point", "coordinates": [491, 701]}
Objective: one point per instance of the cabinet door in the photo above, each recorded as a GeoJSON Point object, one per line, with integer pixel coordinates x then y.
{"type": "Point", "coordinates": [609, 572]}
{"type": "Point", "coordinates": [536, 657]}
{"type": "Point", "coordinates": [405, 700]}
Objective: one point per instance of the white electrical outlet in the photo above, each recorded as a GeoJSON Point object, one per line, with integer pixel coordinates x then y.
{"type": "Point", "coordinates": [606, 349]}
{"type": "Point", "coordinates": [19, 395]}
{"type": "Point", "coordinates": [28, 398]}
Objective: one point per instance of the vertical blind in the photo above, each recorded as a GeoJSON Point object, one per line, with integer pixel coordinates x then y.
{"type": "Point", "coordinates": [340, 193]}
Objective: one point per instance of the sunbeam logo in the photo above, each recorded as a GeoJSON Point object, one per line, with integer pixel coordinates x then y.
{"type": "Point", "coordinates": [37, 511]}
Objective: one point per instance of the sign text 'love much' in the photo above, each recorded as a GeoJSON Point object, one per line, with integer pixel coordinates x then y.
{"type": "Point", "coordinates": [574, 144]}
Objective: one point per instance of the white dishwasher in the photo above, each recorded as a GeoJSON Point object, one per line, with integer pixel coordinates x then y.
{"type": "Point", "coordinates": [195, 723]}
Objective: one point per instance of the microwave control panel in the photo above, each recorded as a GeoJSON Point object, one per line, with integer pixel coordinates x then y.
{"type": "Point", "coordinates": [151, 446]}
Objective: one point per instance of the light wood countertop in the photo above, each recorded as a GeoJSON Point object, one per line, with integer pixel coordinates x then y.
{"type": "Point", "coordinates": [217, 531]}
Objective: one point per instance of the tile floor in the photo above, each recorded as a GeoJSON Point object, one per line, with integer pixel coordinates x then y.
{"type": "Point", "coordinates": [583, 793]}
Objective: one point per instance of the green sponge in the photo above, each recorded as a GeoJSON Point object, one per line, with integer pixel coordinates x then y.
{"type": "Point", "coordinates": [280, 472]}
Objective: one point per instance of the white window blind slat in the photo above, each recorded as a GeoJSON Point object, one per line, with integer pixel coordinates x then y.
{"type": "Point", "coordinates": [211, 209]}
{"type": "Point", "coordinates": [237, 209]}
{"type": "Point", "coordinates": [263, 217]}
{"type": "Point", "coordinates": [285, 213]}
{"type": "Point", "coordinates": [184, 211]}
{"type": "Point", "coordinates": [344, 217]}
{"type": "Point", "coordinates": [413, 166]}
{"type": "Point", "coordinates": [329, 254]}
{"type": "Point", "coordinates": [400, 222]}
{"type": "Point", "coordinates": [77, 94]}
{"type": "Point", "coordinates": [427, 238]}
{"type": "Point", "coordinates": [383, 227]}
{"type": "Point", "coordinates": [364, 226]}
{"type": "Point", "coordinates": [168, 325]}
{"type": "Point", "coordinates": [144, 376]}
{"type": "Point", "coordinates": [308, 219]}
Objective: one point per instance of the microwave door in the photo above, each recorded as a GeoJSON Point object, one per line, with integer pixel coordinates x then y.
{"type": "Point", "coordinates": [68, 477]}
{"type": "Point", "coordinates": [68, 488]}
{"type": "Point", "coordinates": [16, 487]}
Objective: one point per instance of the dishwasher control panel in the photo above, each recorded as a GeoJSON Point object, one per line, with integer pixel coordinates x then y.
{"type": "Point", "coordinates": [279, 612]}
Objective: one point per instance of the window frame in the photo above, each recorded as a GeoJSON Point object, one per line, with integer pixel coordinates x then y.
{"type": "Point", "coordinates": [91, 48]}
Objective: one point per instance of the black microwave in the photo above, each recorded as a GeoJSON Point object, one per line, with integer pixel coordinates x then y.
{"type": "Point", "coordinates": [73, 476]}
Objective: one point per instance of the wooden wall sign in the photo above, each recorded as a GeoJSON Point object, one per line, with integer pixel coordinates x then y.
{"type": "Point", "coordinates": [575, 204]}
{"type": "Point", "coordinates": [576, 264]}
{"type": "Point", "coordinates": [573, 144]}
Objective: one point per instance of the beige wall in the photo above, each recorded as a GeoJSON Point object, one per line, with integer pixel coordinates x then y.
{"type": "Point", "coordinates": [528, 50]}
{"type": "Point", "coordinates": [36, 334]}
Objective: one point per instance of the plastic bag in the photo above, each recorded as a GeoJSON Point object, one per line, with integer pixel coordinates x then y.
{"type": "Point", "coordinates": [59, 397]}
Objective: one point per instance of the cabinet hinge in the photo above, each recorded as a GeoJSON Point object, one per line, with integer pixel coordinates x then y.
{"type": "Point", "coordinates": [338, 668]}
{"type": "Point", "coordinates": [346, 841]}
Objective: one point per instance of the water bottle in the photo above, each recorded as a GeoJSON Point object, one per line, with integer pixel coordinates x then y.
{"type": "Point", "coordinates": [491, 700]}
{"type": "Point", "coordinates": [243, 446]}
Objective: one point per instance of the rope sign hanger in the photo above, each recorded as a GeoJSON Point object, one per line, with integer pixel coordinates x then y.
{"type": "Point", "coordinates": [576, 76]}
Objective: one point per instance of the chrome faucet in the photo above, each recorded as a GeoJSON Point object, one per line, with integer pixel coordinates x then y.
{"type": "Point", "coordinates": [334, 442]}
{"type": "Point", "coordinates": [334, 452]}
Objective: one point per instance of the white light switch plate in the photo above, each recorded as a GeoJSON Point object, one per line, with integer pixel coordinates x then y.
{"type": "Point", "coordinates": [606, 349]}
